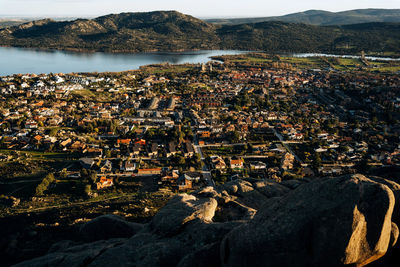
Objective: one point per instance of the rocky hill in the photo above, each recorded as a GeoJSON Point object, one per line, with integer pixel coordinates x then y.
{"type": "Point", "coordinates": [11, 22]}
{"type": "Point", "coordinates": [173, 31]}
{"type": "Point", "coordinates": [349, 220]}
{"type": "Point", "coordinates": [321, 17]}
{"type": "Point", "coordinates": [163, 30]}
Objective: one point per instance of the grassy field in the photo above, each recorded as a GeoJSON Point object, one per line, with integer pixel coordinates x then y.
{"type": "Point", "coordinates": [166, 69]}
{"type": "Point", "coordinates": [304, 62]}
{"type": "Point", "coordinates": [53, 223]}
{"type": "Point", "coordinates": [255, 59]}
{"type": "Point", "coordinates": [224, 150]}
{"type": "Point", "coordinates": [340, 64]}
{"type": "Point", "coordinates": [20, 176]}
{"type": "Point", "coordinates": [387, 69]}
{"type": "Point", "coordinates": [93, 96]}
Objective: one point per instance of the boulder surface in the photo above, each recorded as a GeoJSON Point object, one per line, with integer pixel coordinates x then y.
{"type": "Point", "coordinates": [322, 222]}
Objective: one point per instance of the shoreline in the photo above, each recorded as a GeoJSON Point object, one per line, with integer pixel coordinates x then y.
{"type": "Point", "coordinates": [380, 55]}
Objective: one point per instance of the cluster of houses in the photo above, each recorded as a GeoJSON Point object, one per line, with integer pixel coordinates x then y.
{"type": "Point", "coordinates": [285, 113]}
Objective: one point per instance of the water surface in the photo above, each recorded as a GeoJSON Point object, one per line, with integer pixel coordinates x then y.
{"type": "Point", "coordinates": [22, 60]}
{"type": "Point", "coordinates": [345, 56]}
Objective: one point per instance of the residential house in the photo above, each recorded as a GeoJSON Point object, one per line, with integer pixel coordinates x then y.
{"type": "Point", "coordinates": [236, 164]}
{"type": "Point", "coordinates": [188, 152]}
{"type": "Point", "coordinates": [287, 161]}
{"type": "Point", "coordinates": [153, 150]}
{"type": "Point", "coordinates": [136, 149]}
{"type": "Point", "coordinates": [124, 142]}
{"type": "Point", "coordinates": [171, 149]}
{"type": "Point", "coordinates": [149, 172]}
{"type": "Point", "coordinates": [106, 166]}
{"type": "Point", "coordinates": [258, 166]}
{"type": "Point", "coordinates": [128, 166]}
{"type": "Point", "coordinates": [218, 163]}
{"type": "Point", "coordinates": [170, 176]}
{"type": "Point", "coordinates": [104, 182]}
{"type": "Point", "coordinates": [94, 152]}
{"type": "Point", "coordinates": [185, 181]}
{"type": "Point", "coordinates": [87, 163]}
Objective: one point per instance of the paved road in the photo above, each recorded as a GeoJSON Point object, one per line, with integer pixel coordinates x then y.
{"type": "Point", "coordinates": [22, 181]}
{"type": "Point", "coordinates": [280, 137]}
{"type": "Point", "coordinates": [205, 171]}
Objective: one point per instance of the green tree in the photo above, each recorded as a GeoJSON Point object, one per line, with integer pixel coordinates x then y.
{"type": "Point", "coordinates": [43, 186]}
{"type": "Point", "coordinates": [63, 174]}
{"type": "Point", "coordinates": [317, 161]}
{"type": "Point", "coordinates": [88, 189]}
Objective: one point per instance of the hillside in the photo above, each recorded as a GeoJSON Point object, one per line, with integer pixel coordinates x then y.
{"type": "Point", "coordinates": [154, 31]}
{"type": "Point", "coordinates": [173, 31]}
{"type": "Point", "coordinates": [321, 17]}
{"type": "Point", "coordinates": [294, 37]}
{"type": "Point", "coordinates": [11, 22]}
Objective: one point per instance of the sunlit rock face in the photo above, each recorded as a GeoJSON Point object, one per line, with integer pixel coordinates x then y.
{"type": "Point", "coordinates": [321, 222]}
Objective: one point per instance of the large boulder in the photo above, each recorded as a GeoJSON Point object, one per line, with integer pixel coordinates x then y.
{"type": "Point", "coordinates": [143, 250]}
{"type": "Point", "coordinates": [108, 226]}
{"type": "Point", "coordinates": [330, 222]}
{"type": "Point", "coordinates": [79, 255]}
{"type": "Point", "coordinates": [246, 193]}
{"type": "Point", "coordinates": [181, 210]}
{"type": "Point", "coordinates": [325, 222]}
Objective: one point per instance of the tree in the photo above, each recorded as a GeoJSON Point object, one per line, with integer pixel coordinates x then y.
{"type": "Point", "coordinates": [317, 161]}
{"type": "Point", "coordinates": [88, 189]}
{"type": "Point", "coordinates": [39, 190]}
{"type": "Point", "coordinates": [93, 176]}
{"type": "Point", "coordinates": [53, 132]}
{"type": "Point", "coordinates": [63, 174]}
{"type": "Point", "coordinates": [198, 162]}
{"type": "Point", "coordinates": [233, 137]}
{"type": "Point", "coordinates": [181, 161]}
{"type": "Point", "coordinates": [43, 186]}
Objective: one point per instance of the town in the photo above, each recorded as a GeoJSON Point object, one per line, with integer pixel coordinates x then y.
{"type": "Point", "coordinates": [177, 128]}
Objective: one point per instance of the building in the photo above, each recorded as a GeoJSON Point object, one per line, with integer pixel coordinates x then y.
{"type": "Point", "coordinates": [171, 149]}
{"type": "Point", "coordinates": [87, 163]}
{"type": "Point", "coordinates": [189, 152]}
{"type": "Point", "coordinates": [185, 181]}
{"type": "Point", "coordinates": [104, 182]}
{"type": "Point", "coordinates": [287, 161]}
{"type": "Point", "coordinates": [128, 166]}
{"type": "Point", "coordinates": [153, 150]}
{"type": "Point", "coordinates": [257, 166]}
{"type": "Point", "coordinates": [149, 172]}
{"type": "Point", "coordinates": [236, 164]}
{"type": "Point", "coordinates": [218, 163]}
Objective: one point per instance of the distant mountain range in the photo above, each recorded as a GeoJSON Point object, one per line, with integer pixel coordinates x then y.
{"type": "Point", "coordinates": [173, 31]}
{"type": "Point", "coordinates": [7, 22]}
{"type": "Point", "coordinates": [321, 17]}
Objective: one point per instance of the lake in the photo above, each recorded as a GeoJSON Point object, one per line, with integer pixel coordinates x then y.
{"type": "Point", "coordinates": [344, 56]}
{"type": "Point", "coordinates": [22, 60]}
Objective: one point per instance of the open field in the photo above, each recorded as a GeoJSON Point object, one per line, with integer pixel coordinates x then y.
{"type": "Point", "coordinates": [165, 68]}
{"type": "Point", "coordinates": [339, 64]}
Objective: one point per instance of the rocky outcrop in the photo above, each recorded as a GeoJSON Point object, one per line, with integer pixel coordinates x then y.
{"type": "Point", "coordinates": [324, 222]}
{"type": "Point", "coordinates": [181, 210]}
{"type": "Point", "coordinates": [74, 256]}
{"type": "Point", "coordinates": [108, 226]}
{"type": "Point", "coordinates": [346, 220]}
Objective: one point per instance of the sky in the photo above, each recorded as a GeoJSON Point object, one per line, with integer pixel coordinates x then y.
{"type": "Point", "coordinates": [198, 8]}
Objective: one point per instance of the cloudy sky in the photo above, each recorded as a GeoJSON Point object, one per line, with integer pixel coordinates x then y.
{"type": "Point", "coordinates": [199, 8]}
